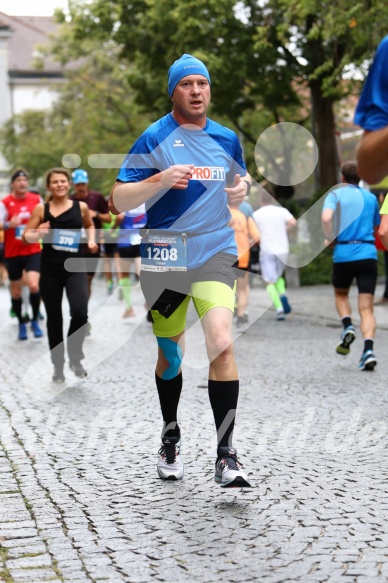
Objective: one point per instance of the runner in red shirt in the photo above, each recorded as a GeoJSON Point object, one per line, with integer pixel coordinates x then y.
{"type": "Point", "coordinates": [15, 211]}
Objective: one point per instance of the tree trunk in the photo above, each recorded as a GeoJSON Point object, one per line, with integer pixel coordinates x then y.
{"type": "Point", "coordinates": [324, 133]}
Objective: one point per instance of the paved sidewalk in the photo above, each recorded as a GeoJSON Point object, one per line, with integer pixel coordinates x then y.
{"type": "Point", "coordinates": [80, 499]}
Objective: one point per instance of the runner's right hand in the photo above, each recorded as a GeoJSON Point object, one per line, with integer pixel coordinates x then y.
{"type": "Point", "coordinates": [177, 176]}
{"type": "Point", "coordinates": [15, 221]}
{"type": "Point", "coordinates": [44, 228]}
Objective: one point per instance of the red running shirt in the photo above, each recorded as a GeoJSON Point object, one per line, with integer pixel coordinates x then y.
{"type": "Point", "coordinates": [22, 207]}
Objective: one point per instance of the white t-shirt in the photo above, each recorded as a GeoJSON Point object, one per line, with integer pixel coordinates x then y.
{"type": "Point", "coordinates": [3, 213]}
{"type": "Point", "coordinates": [272, 223]}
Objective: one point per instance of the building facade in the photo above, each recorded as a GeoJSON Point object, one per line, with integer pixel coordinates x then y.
{"type": "Point", "coordinates": [22, 85]}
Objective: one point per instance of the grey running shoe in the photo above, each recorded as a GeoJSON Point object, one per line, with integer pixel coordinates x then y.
{"type": "Point", "coordinates": [241, 324]}
{"type": "Point", "coordinates": [58, 376]}
{"type": "Point", "coordinates": [367, 361]}
{"type": "Point", "coordinates": [170, 465]}
{"type": "Point", "coordinates": [228, 472]}
{"type": "Point", "coordinates": [347, 337]}
{"type": "Point", "coordinates": [78, 369]}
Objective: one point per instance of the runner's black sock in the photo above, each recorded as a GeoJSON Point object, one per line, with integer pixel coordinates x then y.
{"type": "Point", "coordinates": [346, 321]}
{"type": "Point", "coordinates": [17, 308]}
{"type": "Point", "coordinates": [169, 394]}
{"type": "Point", "coordinates": [35, 303]}
{"type": "Point", "coordinates": [368, 344]}
{"type": "Point", "coordinates": [223, 396]}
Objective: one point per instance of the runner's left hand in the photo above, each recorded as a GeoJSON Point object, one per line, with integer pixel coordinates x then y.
{"type": "Point", "coordinates": [236, 193]}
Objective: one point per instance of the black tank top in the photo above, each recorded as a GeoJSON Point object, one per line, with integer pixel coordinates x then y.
{"type": "Point", "coordinates": [67, 227]}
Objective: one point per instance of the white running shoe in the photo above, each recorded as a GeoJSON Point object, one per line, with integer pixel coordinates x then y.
{"type": "Point", "coordinates": [170, 465]}
{"type": "Point", "coordinates": [229, 472]}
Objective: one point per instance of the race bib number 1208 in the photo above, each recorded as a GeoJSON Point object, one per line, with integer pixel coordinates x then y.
{"type": "Point", "coordinates": [163, 253]}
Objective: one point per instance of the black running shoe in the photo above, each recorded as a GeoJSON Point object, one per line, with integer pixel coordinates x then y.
{"type": "Point", "coordinates": [228, 471]}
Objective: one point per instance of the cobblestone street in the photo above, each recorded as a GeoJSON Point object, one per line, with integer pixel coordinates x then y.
{"type": "Point", "coordinates": [80, 499]}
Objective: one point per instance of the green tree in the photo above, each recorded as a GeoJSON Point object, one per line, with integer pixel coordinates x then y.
{"type": "Point", "coordinates": [318, 42]}
{"type": "Point", "coordinates": [261, 54]}
{"type": "Point", "coordinates": [94, 114]}
{"type": "Point", "coordinates": [26, 143]}
{"type": "Point", "coordinates": [157, 33]}
{"type": "Point", "coordinates": [270, 61]}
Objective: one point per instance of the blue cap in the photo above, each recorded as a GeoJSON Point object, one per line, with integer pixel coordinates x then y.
{"type": "Point", "coordinates": [186, 65]}
{"type": "Point", "coordinates": [80, 176]}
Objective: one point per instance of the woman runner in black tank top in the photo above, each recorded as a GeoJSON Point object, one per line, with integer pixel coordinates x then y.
{"type": "Point", "coordinates": [59, 222]}
{"type": "Point", "coordinates": [66, 227]}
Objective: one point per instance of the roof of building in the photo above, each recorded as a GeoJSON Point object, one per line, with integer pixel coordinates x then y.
{"type": "Point", "coordinates": [28, 33]}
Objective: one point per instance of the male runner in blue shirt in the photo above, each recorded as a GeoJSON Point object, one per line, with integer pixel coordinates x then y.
{"type": "Point", "coordinates": [185, 167]}
{"type": "Point", "coordinates": [353, 226]}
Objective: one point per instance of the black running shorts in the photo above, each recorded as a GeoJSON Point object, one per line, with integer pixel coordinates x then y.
{"type": "Point", "coordinates": [91, 259]}
{"type": "Point", "coordinates": [165, 291]}
{"type": "Point", "coordinates": [110, 249]}
{"type": "Point", "coordinates": [364, 271]}
{"type": "Point", "coordinates": [129, 252]}
{"type": "Point", "coordinates": [16, 265]}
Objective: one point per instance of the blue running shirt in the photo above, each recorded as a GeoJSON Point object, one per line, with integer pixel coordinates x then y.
{"type": "Point", "coordinates": [360, 222]}
{"type": "Point", "coordinates": [129, 232]}
{"type": "Point", "coordinates": [372, 109]}
{"type": "Point", "coordinates": [201, 210]}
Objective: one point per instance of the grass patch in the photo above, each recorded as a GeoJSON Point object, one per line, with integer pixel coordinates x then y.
{"type": "Point", "coordinates": [5, 575]}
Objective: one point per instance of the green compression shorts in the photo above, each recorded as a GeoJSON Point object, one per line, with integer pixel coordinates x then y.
{"type": "Point", "coordinates": [206, 295]}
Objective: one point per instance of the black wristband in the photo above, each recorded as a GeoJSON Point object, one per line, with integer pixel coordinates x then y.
{"type": "Point", "coordinates": [249, 185]}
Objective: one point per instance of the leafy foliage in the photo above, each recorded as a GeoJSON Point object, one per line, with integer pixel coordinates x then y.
{"type": "Point", "coordinates": [267, 59]}
{"type": "Point", "coordinates": [95, 113]}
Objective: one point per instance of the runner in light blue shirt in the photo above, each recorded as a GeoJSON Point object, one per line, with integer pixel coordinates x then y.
{"type": "Point", "coordinates": [350, 219]}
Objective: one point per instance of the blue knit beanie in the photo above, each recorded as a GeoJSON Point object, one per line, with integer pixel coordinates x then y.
{"type": "Point", "coordinates": [186, 65]}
